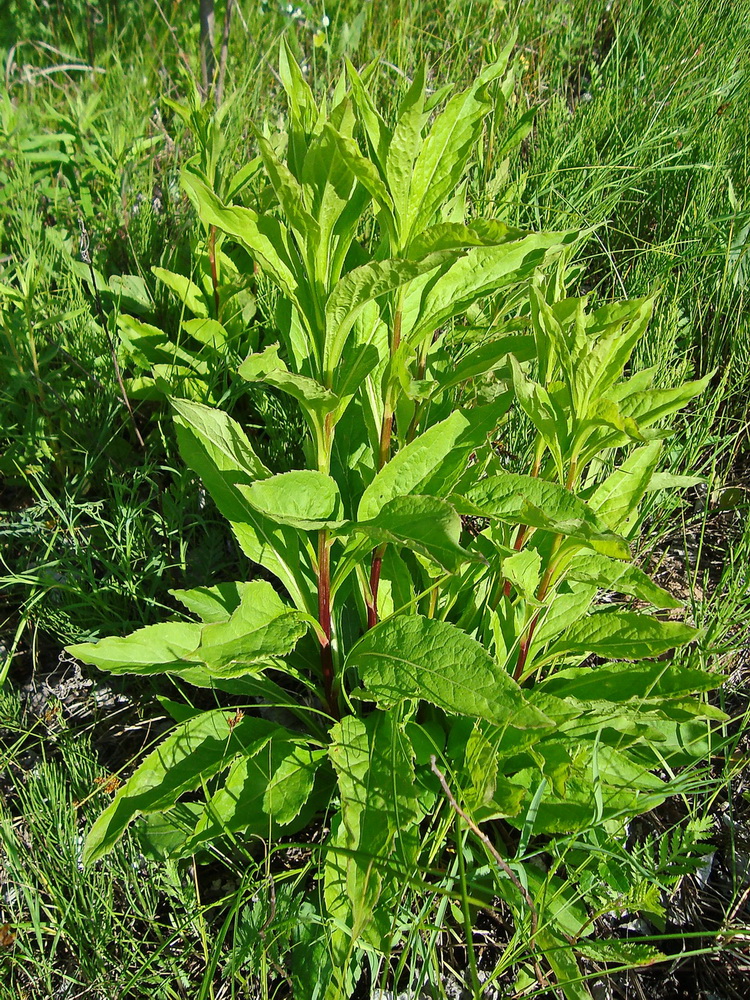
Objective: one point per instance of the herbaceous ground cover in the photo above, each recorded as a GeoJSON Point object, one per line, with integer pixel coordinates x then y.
{"type": "Point", "coordinates": [403, 404]}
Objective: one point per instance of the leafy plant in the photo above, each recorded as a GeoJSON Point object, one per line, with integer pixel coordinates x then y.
{"type": "Point", "coordinates": [431, 624]}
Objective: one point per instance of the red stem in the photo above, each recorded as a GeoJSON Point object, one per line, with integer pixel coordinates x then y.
{"type": "Point", "coordinates": [324, 617]}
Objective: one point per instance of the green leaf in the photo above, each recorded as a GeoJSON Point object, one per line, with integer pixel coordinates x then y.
{"type": "Point", "coordinates": [238, 804]}
{"type": "Point", "coordinates": [363, 169]}
{"type": "Point", "coordinates": [304, 499]}
{"type": "Point", "coordinates": [456, 235]}
{"type": "Point", "coordinates": [411, 657]}
{"type": "Point", "coordinates": [527, 500]}
{"type": "Point", "coordinates": [433, 462]}
{"type": "Point", "coordinates": [430, 304]}
{"type": "Point", "coordinates": [301, 101]}
{"type": "Point", "coordinates": [208, 331]}
{"type": "Point", "coordinates": [378, 133]}
{"type": "Point", "coordinates": [212, 604]}
{"type": "Point", "coordinates": [289, 192]}
{"type": "Point", "coordinates": [620, 682]}
{"type": "Point", "coordinates": [443, 156]}
{"type": "Point", "coordinates": [622, 578]}
{"type": "Point", "coordinates": [362, 285]}
{"type": "Point", "coordinates": [425, 525]}
{"type": "Point", "coordinates": [194, 752]}
{"type": "Point", "coordinates": [618, 496]}
{"type": "Point", "coordinates": [374, 765]}
{"type": "Point", "coordinates": [185, 289]}
{"type": "Point", "coordinates": [265, 237]}
{"type": "Point", "coordinates": [562, 960]}
{"type": "Point", "coordinates": [523, 571]}
{"type": "Point", "coordinates": [130, 290]}
{"type": "Point", "coordinates": [291, 784]}
{"type": "Point", "coordinates": [150, 650]}
{"type": "Point", "coordinates": [216, 447]}
{"type": "Point", "coordinates": [259, 630]}
{"type": "Point", "coordinates": [622, 634]}
{"type": "Point", "coordinates": [268, 367]}
{"type": "Point", "coordinates": [485, 358]}
{"type": "Point", "coordinates": [545, 415]}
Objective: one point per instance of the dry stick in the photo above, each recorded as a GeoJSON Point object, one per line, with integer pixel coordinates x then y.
{"type": "Point", "coordinates": [541, 978]}
{"type": "Point", "coordinates": [83, 245]}
{"type": "Point", "coordinates": [219, 89]}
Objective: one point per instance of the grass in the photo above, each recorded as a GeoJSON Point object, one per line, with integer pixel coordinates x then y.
{"type": "Point", "coordinates": [641, 136]}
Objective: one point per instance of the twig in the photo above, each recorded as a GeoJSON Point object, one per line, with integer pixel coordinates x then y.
{"type": "Point", "coordinates": [83, 246]}
{"type": "Point", "coordinates": [541, 978]}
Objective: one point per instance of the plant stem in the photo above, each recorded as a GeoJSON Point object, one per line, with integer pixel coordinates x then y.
{"type": "Point", "coordinates": [324, 617]}
{"type": "Point", "coordinates": [372, 603]}
{"type": "Point", "coordinates": [386, 429]}
{"type": "Point", "coordinates": [384, 453]}
{"type": "Point", "coordinates": [523, 649]}
{"type": "Point", "coordinates": [523, 528]}
{"type": "Point", "coordinates": [214, 274]}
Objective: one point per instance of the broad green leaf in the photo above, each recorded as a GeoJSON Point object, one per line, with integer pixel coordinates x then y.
{"type": "Point", "coordinates": [237, 805]}
{"type": "Point", "coordinates": [374, 764]}
{"type": "Point", "coordinates": [550, 422]}
{"type": "Point", "coordinates": [291, 784]}
{"type": "Point", "coordinates": [404, 148]}
{"type": "Point", "coordinates": [150, 650]}
{"type": "Point", "coordinates": [442, 159]}
{"type": "Point", "coordinates": [456, 235]}
{"type": "Point", "coordinates": [207, 331]}
{"type": "Point", "coordinates": [185, 289]}
{"type": "Point", "coordinates": [621, 492]}
{"type": "Point", "coordinates": [616, 329]}
{"type": "Point", "coordinates": [288, 191]}
{"type": "Point", "coordinates": [426, 525]}
{"type": "Point", "coordinates": [523, 571]}
{"type": "Point", "coordinates": [527, 500]}
{"type": "Point", "coordinates": [216, 447]}
{"type": "Point", "coordinates": [130, 290]}
{"type": "Point", "coordinates": [268, 367]}
{"type": "Point", "coordinates": [433, 462]}
{"type": "Point", "coordinates": [304, 499]}
{"type": "Point", "coordinates": [622, 634]}
{"type": "Point", "coordinates": [301, 101]}
{"type": "Point", "coordinates": [378, 133]}
{"type": "Point", "coordinates": [363, 169]}
{"type": "Point", "coordinates": [194, 752]}
{"type": "Point", "coordinates": [561, 957]}
{"type": "Point", "coordinates": [223, 434]}
{"type": "Point", "coordinates": [363, 284]}
{"type": "Point", "coordinates": [265, 237]}
{"type": "Point", "coordinates": [619, 682]}
{"type": "Point", "coordinates": [430, 304]}
{"type": "Point", "coordinates": [414, 658]}
{"type": "Point", "coordinates": [622, 578]}
{"type": "Point", "coordinates": [571, 601]}
{"type": "Point", "coordinates": [212, 604]}
{"type": "Point", "coordinates": [260, 629]}
{"type": "Point", "coordinates": [485, 358]}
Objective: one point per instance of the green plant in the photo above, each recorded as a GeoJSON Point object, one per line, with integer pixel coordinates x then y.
{"type": "Point", "coordinates": [432, 618]}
